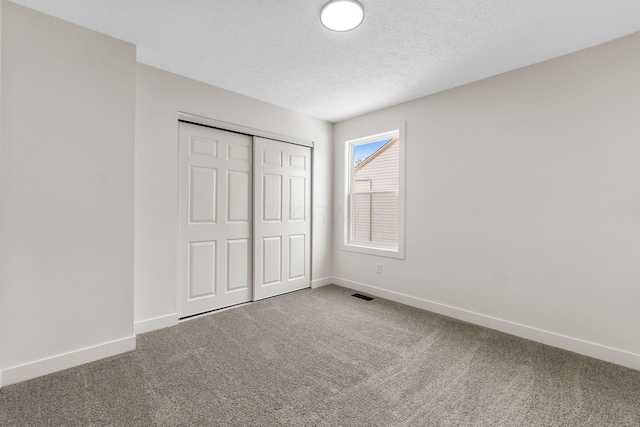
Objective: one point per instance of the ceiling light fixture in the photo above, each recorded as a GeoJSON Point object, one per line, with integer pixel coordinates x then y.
{"type": "Point", "coordinates": [342, 15]}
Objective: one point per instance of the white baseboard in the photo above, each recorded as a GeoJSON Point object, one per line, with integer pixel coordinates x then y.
{"type": "Point", "coordinates": [156, 323]}
{"type": "Point", "coordinates": [576, 345]}
{"type": "Point", "coordinates": [60, 362]}
{"type": "Point", "coordinates": [321, 282]}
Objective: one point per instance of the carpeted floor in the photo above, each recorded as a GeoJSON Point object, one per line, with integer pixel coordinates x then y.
{"type": "Point", "coordinates": [323, 358]}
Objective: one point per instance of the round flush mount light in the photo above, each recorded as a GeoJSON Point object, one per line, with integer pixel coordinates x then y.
{"type": "Point", "coordinates": [342, 15]}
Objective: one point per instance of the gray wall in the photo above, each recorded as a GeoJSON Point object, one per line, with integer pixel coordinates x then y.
{"type": "Point", "coordinates": [66, 192]}
{"type": "Point", "coordinates": [522, 203]}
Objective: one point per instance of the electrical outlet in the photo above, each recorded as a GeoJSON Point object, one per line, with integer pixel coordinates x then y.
{"type": "Point", "coordinates": [379, 268]}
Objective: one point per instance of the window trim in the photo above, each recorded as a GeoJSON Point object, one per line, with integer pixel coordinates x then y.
{"type": "Point", "coordinates": [362, 138]}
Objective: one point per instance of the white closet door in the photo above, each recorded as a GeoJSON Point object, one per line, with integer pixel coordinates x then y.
{"type": "Point", "coordinates": [282, 217]}
{"type": "Point", "coordinates": [215, 265]}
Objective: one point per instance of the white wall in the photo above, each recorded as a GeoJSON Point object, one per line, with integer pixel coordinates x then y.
{"type": "Point", "coordinates": [522, 203]}
{"type": "Point", "coordinates": [69, 120]}
{"type": "Point", "coordinates": [160, 96]}
{"type": "Point", "coordinates": [66, 194]}
{"type": "Point", "coordinates": [522, 197]}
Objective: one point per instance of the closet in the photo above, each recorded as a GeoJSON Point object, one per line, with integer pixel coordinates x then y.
{"type": "Point", "coordinates": [244, 218]}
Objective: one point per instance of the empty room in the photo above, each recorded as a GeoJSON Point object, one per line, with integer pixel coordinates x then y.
{"type": "Point", "coordinates": [319, 213]}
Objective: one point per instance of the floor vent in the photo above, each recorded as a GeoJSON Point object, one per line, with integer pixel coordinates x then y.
{"type": "Point", "coordinates": [364, 297]}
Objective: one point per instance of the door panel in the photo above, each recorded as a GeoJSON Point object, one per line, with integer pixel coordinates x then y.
{"type": "Point", "coordinates": [272, 259]}
{"type": "Point", "coordinates": [202, 269]}
{"type": "Point", "coordinates": [272, 156]}
{"type": "Point", "coordinates": [202, 145]}
{"type": "Point", "coordinates": [215, 264]}
{"type": "Point", "coordinates": [282, 200]}
{"type": "Point", "coordinates": [238, 265]}
{"type": "Point", "coordinates": [271, 198]}
{"type": "Point", "coordinates": [297, 256]}
{"type": "Point", "coordinates": [239, 152]}
{"type": "Point", "coordinates": [202, 199]}
{"type": "Point", "coordinates": [238, 186]}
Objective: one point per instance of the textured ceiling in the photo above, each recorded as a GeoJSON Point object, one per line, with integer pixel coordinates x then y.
{"type": "Point", "coordinates": [277, 50]}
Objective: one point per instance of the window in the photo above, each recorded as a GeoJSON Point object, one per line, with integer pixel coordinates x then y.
{"type": "Point", "coordinates": [374, 194]}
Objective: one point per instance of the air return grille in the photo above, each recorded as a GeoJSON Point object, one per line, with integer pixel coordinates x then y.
{"type": "Point", "coordinates": [364, 297]}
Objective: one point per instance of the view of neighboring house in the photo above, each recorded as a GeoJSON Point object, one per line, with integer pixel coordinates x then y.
{"type": "Point", "coordinates": [375, 213]}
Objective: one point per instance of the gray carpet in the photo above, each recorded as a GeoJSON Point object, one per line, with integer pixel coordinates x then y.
{"type": "Point", "coordinates": [323, 358]}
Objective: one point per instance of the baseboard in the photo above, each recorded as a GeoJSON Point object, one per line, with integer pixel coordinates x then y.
{"type": "Point", "coordinates": [576, 345]}
{"type": "Point", "coordinates": [156, 323]}
{"type": "Point", "coordinates": [321, 282]}
{"type": "Point", "coordinates": [60, 362]}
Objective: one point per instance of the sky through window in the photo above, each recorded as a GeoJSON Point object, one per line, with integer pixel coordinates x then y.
{"type": "Point", "coordinates": [363, 151]}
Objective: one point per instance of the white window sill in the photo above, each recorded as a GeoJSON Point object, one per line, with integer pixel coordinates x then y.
{"type": "Point", "coordinates": [373, 250]}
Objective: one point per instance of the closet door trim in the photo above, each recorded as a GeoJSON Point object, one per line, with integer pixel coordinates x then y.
{"type": "Point", "coordinates": [232, 127]}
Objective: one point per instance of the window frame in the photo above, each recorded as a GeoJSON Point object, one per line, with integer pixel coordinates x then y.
{"type": "Point", "coordinates": [349, 143]}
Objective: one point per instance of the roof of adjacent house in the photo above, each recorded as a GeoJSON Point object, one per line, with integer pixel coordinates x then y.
{"type": "Point", "coordinates": [376, 154]}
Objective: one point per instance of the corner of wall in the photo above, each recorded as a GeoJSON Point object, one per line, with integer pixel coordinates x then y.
{"type": "Point", "coordinates": [315, 284]}
{"type": "Point", "coordinates": [161, 322]}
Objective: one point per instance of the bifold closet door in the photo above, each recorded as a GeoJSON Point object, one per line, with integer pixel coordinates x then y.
{"type": "Point", "coordinates": [282, 217]}
{"type": "Point", "coordinates": [215, 215]}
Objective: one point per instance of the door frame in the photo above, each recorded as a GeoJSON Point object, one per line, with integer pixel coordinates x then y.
{"type": "Point", "coordinates": [245, 130]}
